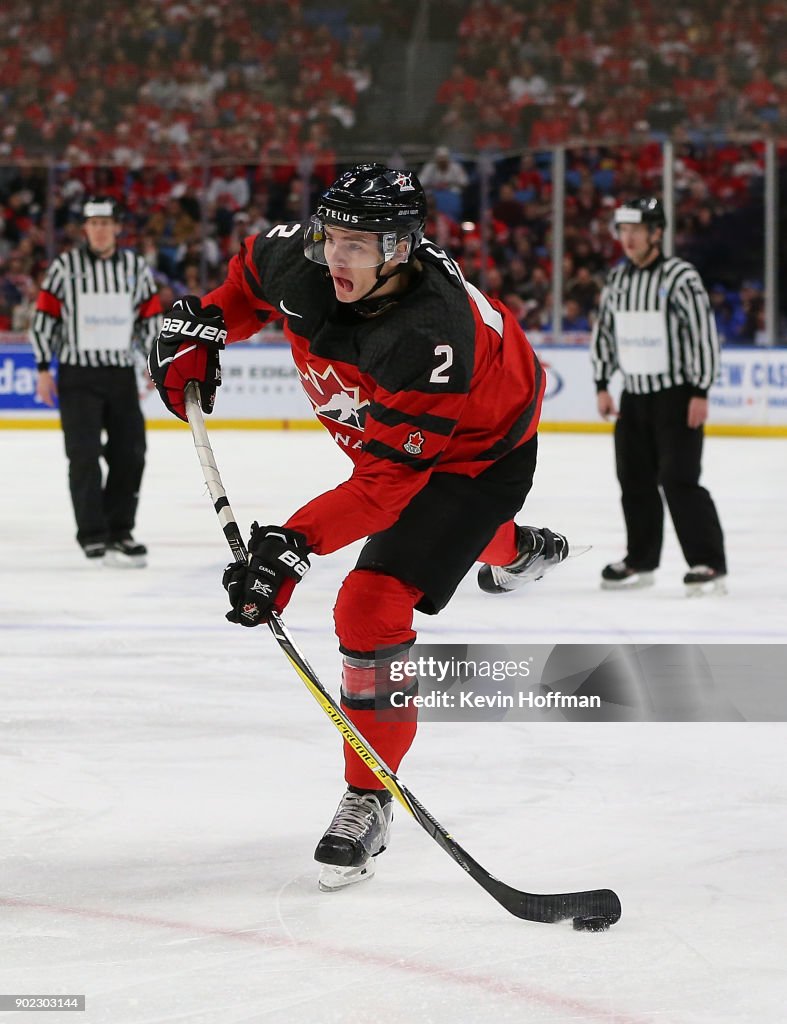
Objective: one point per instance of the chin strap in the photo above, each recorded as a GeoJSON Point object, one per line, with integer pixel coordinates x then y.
{"type": "Point", "coordinates": [374, 307]}
{"type": "Point", "coordinates": [380, 280]}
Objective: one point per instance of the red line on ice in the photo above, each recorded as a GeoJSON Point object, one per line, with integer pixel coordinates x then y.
{"type": "Point", "coordinates": [429, 972]}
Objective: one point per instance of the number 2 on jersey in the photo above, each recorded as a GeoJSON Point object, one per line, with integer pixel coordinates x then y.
{"type": "Point", "coordinates": [440, 373]}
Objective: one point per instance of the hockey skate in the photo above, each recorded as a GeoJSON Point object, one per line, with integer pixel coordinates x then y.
{"type": "Point", "coordinates": [538, 551]}
{"type": "Point", "coordinates": [620, 576]}
{"type": "Point", "coordinates": [95, 552]}
{"type": "Point", "coordinates": [126, 553]}
{"type": "Point", "coordinates": [358, 833]}
{"type": "Point", "coordinates": [701, 580]}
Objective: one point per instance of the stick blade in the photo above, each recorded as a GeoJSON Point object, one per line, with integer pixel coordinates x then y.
{"type": "Point", "coordinates": [528, 906]}
{"type": "Point", "coordinates": [549, 909]}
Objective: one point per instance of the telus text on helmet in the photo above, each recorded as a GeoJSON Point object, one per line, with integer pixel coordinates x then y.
{"type": "Point", "coordinates": [349, 218]}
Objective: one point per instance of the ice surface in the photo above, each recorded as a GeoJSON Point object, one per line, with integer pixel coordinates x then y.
{"type": "Point", "coordinates": [164, 776]}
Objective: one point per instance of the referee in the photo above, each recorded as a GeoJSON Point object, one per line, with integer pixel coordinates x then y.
{"type": "Point", "coordinates": [655, 325]}
{"type": "Point", "coordinates": [96, 302]}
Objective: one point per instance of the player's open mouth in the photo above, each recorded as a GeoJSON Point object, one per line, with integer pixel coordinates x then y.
{"type": "Point", "coordinates": [343, 284]}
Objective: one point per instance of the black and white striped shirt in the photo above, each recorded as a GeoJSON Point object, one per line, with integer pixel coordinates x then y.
{"type": "Point", "coordinates": [92, 311]}
{"type": "Point", "coordinates": [672, 288]}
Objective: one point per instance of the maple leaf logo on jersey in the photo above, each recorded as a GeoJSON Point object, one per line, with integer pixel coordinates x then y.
{"type": "Point", "coordinates": [415, 443]}
{"type": "Point", "coordinates": [405, 182]}
{"type": "Point", "coordinates": [333, 399]}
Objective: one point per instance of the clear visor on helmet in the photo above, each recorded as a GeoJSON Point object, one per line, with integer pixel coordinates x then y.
{"type": "Point", "coordinates": [352, 248]}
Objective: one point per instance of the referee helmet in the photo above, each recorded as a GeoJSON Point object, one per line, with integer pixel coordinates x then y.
{"type": "Point", "coordinates": [100, 206]}
{"type": "Point", "coordinates": [648, 211]}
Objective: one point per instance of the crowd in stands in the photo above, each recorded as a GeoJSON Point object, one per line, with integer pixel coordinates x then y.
{"type": "Point", "coordinates": [544, 73]}
{"type": "Point", "coordinates": [494, 219]}
{"type": "Point", "coordinates": [208, 123]}
{"type": "Point", "coordinates": [507, 248]}
{"type": "Point", "coordinates": [206, 79]}
{"type": "Point", "coordinates": [186, 79]}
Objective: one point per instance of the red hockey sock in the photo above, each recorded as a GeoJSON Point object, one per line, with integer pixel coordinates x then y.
{"type": "Point", "coordinates": [374, 616]}
{"type": "Point", "coordinates": [391, 739]}
{"type": "Point", "coordinates": [502, 548]}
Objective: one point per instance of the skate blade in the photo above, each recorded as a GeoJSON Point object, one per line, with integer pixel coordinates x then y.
{"type": "Point", "coordinates": [333, 878]}
{"type": "Point", "coordinates": [636, 582]}
{"type": "Point", "coordinates": [117, 560]}
{"type": "Point", "coordinates": [713, 588]}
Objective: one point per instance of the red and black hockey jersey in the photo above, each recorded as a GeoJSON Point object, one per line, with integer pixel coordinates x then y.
{"type": "Point", "coordinates": [442, 381]}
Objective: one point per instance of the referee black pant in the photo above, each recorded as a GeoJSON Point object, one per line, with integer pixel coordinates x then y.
{"type": "Point", "coordinates": [655, 452]}
{"type": "Point", "coordinates": [95, 400]}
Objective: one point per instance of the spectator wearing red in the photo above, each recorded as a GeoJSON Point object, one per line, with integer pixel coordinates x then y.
{"type": "Point", "coordinates": [574, 43]}
{"type": "Point", "coordinates": [760, 92]}
{"type": "Point", "coordinates": [528, 178]}
{"type": "Point", "coordinates": [479, 20]}
{"type": "Point", "coordinates": [278, 157]}
{"type": "Point", "coordinates": [728, 188]}
{"type": "Point", "coordinates": [549, 131]}
{"type": "Point", "coordinates": [459, 83]}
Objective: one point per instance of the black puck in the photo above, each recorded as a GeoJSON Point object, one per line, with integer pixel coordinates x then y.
{"type": "Point", "coordinates": [598, 923]}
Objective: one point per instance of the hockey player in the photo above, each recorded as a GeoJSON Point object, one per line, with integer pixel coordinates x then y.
{"type": "Point", "coordinates": [433, 391]}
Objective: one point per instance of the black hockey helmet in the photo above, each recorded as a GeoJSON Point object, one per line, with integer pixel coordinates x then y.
{"type": "Point", "coordinates": [648, 211]}
{"type": "Point", "coordinates": [100, 206]}
{"type": "Point", "coordinates": [373, 198]}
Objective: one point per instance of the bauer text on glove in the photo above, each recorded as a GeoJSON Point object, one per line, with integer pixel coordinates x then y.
{"type": "Point", "coordinates": [278, 559]}
{"type": "Point", "coordinates": [187, 349]}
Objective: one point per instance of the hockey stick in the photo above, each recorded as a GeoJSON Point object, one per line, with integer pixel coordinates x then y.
{"type": "Point", "coordinates": [596, 904]}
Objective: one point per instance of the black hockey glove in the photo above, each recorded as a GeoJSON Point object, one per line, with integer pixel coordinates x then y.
{"type": "Point", "coordinates": [277, 561]}
{"type": "Point", "coordinates": [186, 349]}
